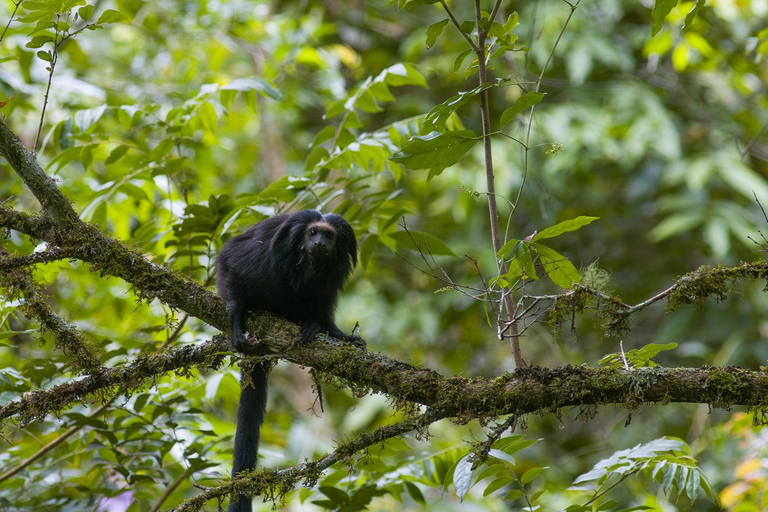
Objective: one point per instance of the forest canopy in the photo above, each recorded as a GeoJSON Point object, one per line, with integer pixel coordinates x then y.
{"type": "Point", "coordinates": [559, 207]}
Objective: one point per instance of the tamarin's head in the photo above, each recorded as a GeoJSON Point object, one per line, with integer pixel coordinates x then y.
{"type": "Point", "coordinates": [320, 240]}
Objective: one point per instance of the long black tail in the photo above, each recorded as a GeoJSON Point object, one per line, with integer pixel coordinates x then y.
{"type": "Point", "coordinates": [250, 416]}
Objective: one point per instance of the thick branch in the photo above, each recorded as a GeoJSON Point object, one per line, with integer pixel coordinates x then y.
{"type": "Point", "coordinates": [38, 227]}
{"type": "Point", "coordinates": [9, 263]}
{"type": "Point", "coordinates": [128, 378]}
{"type": "Point", "coordinates": [523, 391]}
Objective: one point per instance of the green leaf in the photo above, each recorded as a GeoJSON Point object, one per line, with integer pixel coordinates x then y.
{"type": "Point", "coordinates": [253, 84]}
{"type": "Point", "coordinates": [512, 21]}
{"type": "Point", "coordinates": [84, 119]}
{"type": "Point", "coordinates": [415, 493]}
{"type": "Point", "coordinates": [424, 242]}
{"type": "Point", "coordinates": [334, 494]}
{"type": "Point", "coordinates": [522, 254]}
{"type": "Point", "coordinates": [607, 505]}
{"type": "Point", "coordinates": [439, 114]}
{"type": "Point", "coordinates": [69, 4]}
{"type": "Point", "coordinates": [435, 151]}
{"type": "Point", "coordinates": [116, 154]}
{"type": "Point", "coordinates": [39, 41]}
{"type": "Point", "coordinates": [563, 227]}
{"type": "Point", "coordinates": [462, 476]}
{"type": "Point", "coordinates": [208, 116]}
{"type": "Point", "coordinates": [691, 16]}
{"type": "Point", "coordinates": [85, 12]}
{"type": "Point", "coordinates": [520, 444]}
{"type": "Point", "coordinates": [366, 249]}
{"type": "Point", "coordinates": [531, 474]}
{"type": "Point", "coordinates": [557, 267]}
{"type": "Point", "coordinates": [506, 248]}
{"type": "Point", "coordinates": [497, 484]}
{"type": "Point", "coordinates": [523, 102]}
{"type": "Point", "coordinates": [674, 225]}
{"type": "Point", "coordinates": [434, 31]}
{"type": "Point", "coordinates": [323, 135]}
{"type": "Point", "coordinates": [501, 455]}
{"type": "Point", "coordinates": [460, 59]}
{"type": "Point", "coordinates": [112, 16]}
{"type": "Point", "coordinates": [660, 11]}
{"type": "Point", "coordinates": [45, 56]}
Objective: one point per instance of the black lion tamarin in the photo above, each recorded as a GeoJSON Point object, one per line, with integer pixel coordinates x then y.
{"type": "Point", "coordinates": [294, 266]}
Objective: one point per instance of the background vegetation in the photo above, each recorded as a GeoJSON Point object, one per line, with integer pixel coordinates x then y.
{"type": "Point", "coordinates": [172, 125]}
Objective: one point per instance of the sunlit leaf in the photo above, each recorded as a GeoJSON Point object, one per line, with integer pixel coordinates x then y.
{"type": "Point", "coordinates": [522, 103]}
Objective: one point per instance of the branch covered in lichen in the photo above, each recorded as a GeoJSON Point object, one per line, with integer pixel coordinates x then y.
{"type": "Point", "coordinates": [693, 288]}
{"type": "Point", "coordinates": [126, 379]}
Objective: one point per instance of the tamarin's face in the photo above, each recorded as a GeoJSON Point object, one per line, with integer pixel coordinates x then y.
{"type": "Point", "coordinates": [319, 240]}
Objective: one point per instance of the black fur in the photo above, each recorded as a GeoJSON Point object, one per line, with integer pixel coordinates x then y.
{"type": "Point", "coordinates": [292, 265]}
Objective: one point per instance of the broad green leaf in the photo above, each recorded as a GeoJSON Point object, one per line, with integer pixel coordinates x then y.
{"type": "Point", "coordinates": [46, 5]}
{"type": "Point", "coordinates": [652, 349]}
{"type": "Point", "coordinates": [460, 59]}
{"type": "Point", "coordinates": [693, 484]}
{"type": "Point", "coordinates": [284, 189]}
{"type": "Point", "coordinates": [557, 267]}
{"type": "Point", "coordinates": [522, 254]}
{"type": "Point", "coordinates": [67, 5]}
{"type": "Point", "coordinates": [522, 103]}
{"type": "Point", "coordinates": [402, 74]}
{"type": "Point", "coordinates": [661, 10]}
{"type": "Point", "coordinates": [506, 248]}
{"type": "Point", "coordinates": [424, 242]}
{"type": "Point", "coordinates": [112, 16]}
{"type": "Point", "coordinates": [439, 114]}
{"type": "Point", "coordinates": [608, 505]}
{"type": "Point", "coordinates": [498, 483]}
{"type": "Point", "coordinates": [116, 154]}
{"type": "Point", "coordinates": [323, 135]}
{"type": "Point", "coordinates": [10, 334]}
{"type": "Point", "coordinates": [501, 455]}
{"type": "Point", "coordinates": [518, 445]}
{"type": "Point", "coordinates": [208, 116]}
{"type": "Point", "coordinates": [84, 119]}
{"type": "Point", "coordinates": [564, 227]}
{"type": "Point", "coordinates": [253, 84]}
{"type": "Point", "coordinates": [434, 31]}
{"type": "Point", "coordinates": [462, 476]}
{"type": "Point", "coordinates": [674, 225]}
{"type": "Point", "coordinates": [415, 493]}
{"type": "Point", "coordinates": [531, 474]}
{"type": "Point", "coordinates": [435, 151]}
{"type": "Point", "coordinates": [366, 249]}
{"type": "Point", "coordinates": [85, 12]}
{"type": "Point", "coordinates": [512, 21]}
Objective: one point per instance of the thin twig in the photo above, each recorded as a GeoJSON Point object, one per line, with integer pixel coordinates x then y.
{"type": "Point", "coordinates": [533, 108]}
{"type": "Point", "coordinates": [10, 19]}
{"type": "Point", "coordinates": [458, 25]}
{"type": "Point", "coordinates": [744, 152]}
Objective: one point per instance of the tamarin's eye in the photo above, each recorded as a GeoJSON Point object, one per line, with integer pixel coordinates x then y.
{"type": "Point", "coordinates": [313, 231]}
